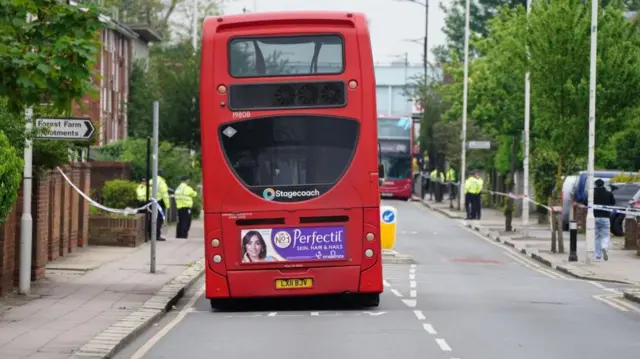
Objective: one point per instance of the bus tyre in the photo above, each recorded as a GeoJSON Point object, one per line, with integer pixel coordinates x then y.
{"type": "Point", "coordinates": [220, 304]}
{"type": "Point", "coordinates": [370, 299]}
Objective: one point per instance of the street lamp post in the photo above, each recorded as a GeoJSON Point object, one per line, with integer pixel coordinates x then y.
{"type": "Point", "coordinates": [527, 114]}
{"type": "Point", "coordinates": [592, 131]}
{"type": "Point", "coordinates": [465, 90]}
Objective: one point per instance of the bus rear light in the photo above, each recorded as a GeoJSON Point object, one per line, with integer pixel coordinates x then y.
{"type": "Point", "coordinates": [215, 243]}
{"type": "Point", "coordinates": [222, 89]}
{"type": "Point", "coordinates": [353, 84]}
{"type": "Point", "coordinates": [217, 258]}
{"type": "Point", "coordinates": [370, 236]}
{"type": "Point", "coordinates": [368, 253]}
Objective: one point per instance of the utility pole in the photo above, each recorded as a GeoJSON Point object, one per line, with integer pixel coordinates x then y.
{"type": "Point", "coordinates": [463, 137]}
{"type": "Point", "coordinates": [26, 220]}
{"type": "Point", "coordinates": [592, 130]}
{"type": "Point", "coordinates": [154, 191]}
{"type": "Point", "coordinates": [527, 113]}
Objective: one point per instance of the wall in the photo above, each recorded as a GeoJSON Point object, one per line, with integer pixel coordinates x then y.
{"type": "Point", "coordinates": [103, 171]}
{"type": "Point", "coordinates": [59, 223]}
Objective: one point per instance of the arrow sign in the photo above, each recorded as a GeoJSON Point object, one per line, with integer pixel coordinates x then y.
{"type": "Point", "coordinates": [72, 129]}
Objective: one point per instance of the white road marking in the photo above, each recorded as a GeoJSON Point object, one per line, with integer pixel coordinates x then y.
{"type": "Point", "coordinates": [419, 315]}
{"type": "Point", "coordinates": [413, 294]}
{"type": "Point", "coordinates": [534, 266]}
{"type": "Point", "coordinates": [159, 335]}
{"type": "Point", "coordinates": [412, 266]}
{"type": "Point", "coordinates": [315, 314]}
{"type": "Point", "coordinates": [443, 344]}
{"type": "Point", "coordinates": [429, 328]}
{"type": "Point", "coordinates": [272, 314]}
{"type": "Point", "coordinates": [385, 283]}
{"type": "Point", "coordinates": [396, 293]}
{"type": "Point", "coordinates": [411, 303]}
{"type": "Point", "coordinates": [412, 271]}
{"type": "Point", "coordinates": [412, 276]}
{"type": "Point", "coordinates": [604, 298]}
{"type": "Point", "coordinates": [413, 284]}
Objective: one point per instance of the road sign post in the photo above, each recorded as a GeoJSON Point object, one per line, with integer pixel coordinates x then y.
{"type": "Point", "coordinates": [70, 129]}
{"type": "Point", "coordinates": [388, 222]}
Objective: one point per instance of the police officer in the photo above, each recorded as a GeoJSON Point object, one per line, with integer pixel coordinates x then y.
{"type": "Point", "coordinates": [473, 201]}
{"type": "Point", "coordinates": [141, 194]}
{"type": "Point", "coordinates": [437, 179]}
{"type": "Point", "coordinates": [450, 178]}
{"type": "Point", "coordinates": [184, 196]}
{"type": "Point", "coordinates": [163, 201]}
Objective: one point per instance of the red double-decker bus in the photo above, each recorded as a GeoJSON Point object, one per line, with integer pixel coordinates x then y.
{"type": "Point", "coordinates": [395, 135]}
{"type": "Point", "coordinates": [289, 156]}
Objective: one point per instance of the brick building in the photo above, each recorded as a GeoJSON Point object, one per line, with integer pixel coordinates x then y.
{"type": "Point", "coordinates": [121, 45]}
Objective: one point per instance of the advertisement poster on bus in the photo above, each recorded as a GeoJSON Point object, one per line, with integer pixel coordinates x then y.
{"type": "Point", "coordinates": [293, 244]}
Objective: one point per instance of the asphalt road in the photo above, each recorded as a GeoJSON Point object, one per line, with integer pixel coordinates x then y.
{"type": "Point", "coordinates": [466, 297]}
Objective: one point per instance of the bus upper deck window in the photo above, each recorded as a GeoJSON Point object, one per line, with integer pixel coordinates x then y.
{"type": "Point", "coordinates": [286, 55]}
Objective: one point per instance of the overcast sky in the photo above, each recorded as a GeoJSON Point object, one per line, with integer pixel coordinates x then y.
{"type": "Point", "coordinates": [392, 22]}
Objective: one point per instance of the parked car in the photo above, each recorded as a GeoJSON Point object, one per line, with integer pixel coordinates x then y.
{"type": "Point", "coordinates": [624, 194]}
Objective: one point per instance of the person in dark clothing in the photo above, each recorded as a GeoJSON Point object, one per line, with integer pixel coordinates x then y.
{"type": "Point", "coordinates": [602, 197]}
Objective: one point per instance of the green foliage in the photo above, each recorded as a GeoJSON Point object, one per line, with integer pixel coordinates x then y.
{"type": "Point", "coordinates": [11, 166]}
{"type": "Point", "coordinates": [626, 177]}
{"type": "Point", "coordinates": [543, 169]}
{"type": "Point", "coordinates": [196, 210]}
{"type": "Point", "coordinates": [119, 194]}
{"type": "Point", "coordinates": [173, 160]}
{"type": "Point", "coordinates": [50, 59]}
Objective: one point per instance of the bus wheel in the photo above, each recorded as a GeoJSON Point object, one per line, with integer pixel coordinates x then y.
{"type": "Point", "coordinates": [370, 299]}
{"type": "Point", "coordinates": [220, 304]}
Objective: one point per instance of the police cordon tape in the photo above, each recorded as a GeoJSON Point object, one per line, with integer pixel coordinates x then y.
{"type": "Point", "coordinates": [612, 209]}
{"type": "Point", "coordinates": [126, 211]}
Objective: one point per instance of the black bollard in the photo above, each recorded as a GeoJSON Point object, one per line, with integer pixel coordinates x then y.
{"type": "Point", "coordinates": [573, 241]}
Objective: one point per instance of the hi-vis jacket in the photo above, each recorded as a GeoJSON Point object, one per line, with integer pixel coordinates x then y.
{"type": "Point", "coordinates": [163, 191]}
{"type": "Point", "coordinates": [184, 196]}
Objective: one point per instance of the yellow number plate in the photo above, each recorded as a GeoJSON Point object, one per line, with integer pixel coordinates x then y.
{"type": "Point", "coordinates": [294, 283]}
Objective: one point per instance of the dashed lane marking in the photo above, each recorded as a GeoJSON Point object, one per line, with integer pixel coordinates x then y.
{"type": "Point", "coordinates": [429, 328]}
{"type": "Point", "coordinates": [411, 303]}
{"type": "Point", "coordinates": [396, 293]}
{"type": "Point", "coordinates": [443, 344]}
{"type": "Point", "coordinates": [413, 293]}
{"type": "Point", "coordinates": [419, 315]}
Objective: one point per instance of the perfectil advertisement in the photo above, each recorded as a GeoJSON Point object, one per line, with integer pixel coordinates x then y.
{"type": "Point", "coordinates": [293, 244]}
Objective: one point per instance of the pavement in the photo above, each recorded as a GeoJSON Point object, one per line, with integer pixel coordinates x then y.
{"type": "Point", "coordinates": [534, 240]}
{"type": "Point", "coordinates": [463, 296]}
{"type": "Point", "coordinates": [95, 300]}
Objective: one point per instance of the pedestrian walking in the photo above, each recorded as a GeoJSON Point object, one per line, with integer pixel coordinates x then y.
{"type": "Point", "coordinates": [603, 197]}
{"type": "Point", "coordinates": [184, 196]}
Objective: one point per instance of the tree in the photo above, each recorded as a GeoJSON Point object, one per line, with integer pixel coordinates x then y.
{"type": "Point", "coordinates": [498, 90]}
{"type": "Point", "coordinates": [559, 34]}
{"type": "Point", "coordinates": [49, 59]}
{"type": "Point", "coordinates": [11, 166]}
{"type": "Point", "coordinates": [481, 11]}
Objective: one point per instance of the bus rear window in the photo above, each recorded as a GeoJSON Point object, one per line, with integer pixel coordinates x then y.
{"type": "Point", "coordinates": [286, 55]}
{"type": "Point", "coordinates": [292, 150]}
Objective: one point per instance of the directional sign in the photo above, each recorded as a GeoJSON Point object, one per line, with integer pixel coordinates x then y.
{"type": "Point", "coordinates": [388, 216]}
{"type": "Point", "coordinates": [479, 145]}
{"type": "Point", "coordinates": [72, 129]}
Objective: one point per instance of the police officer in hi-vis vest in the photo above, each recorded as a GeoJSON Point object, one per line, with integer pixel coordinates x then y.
{"type": "Point", "coordinates": [184, 196]}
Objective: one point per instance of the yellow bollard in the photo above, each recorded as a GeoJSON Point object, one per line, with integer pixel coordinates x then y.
{"type": "Point", "coordinates": [388, 221]}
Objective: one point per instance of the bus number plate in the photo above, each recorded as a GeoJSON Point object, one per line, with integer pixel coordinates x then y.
{"type": "Point", "coordinates": [294, 283]}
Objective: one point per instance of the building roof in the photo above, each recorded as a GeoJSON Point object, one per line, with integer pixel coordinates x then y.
{"type": "Point", "coordinates": [146, 33]}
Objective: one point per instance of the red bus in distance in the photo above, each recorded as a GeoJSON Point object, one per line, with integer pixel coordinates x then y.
{"type": "Point", "coordinates": [395, 135]}
{"type": "Point", "coordinates": [289, 157]}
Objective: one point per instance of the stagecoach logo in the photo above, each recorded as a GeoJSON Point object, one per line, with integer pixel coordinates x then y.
{"type": "Point", "coordinates": [269, 193]}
